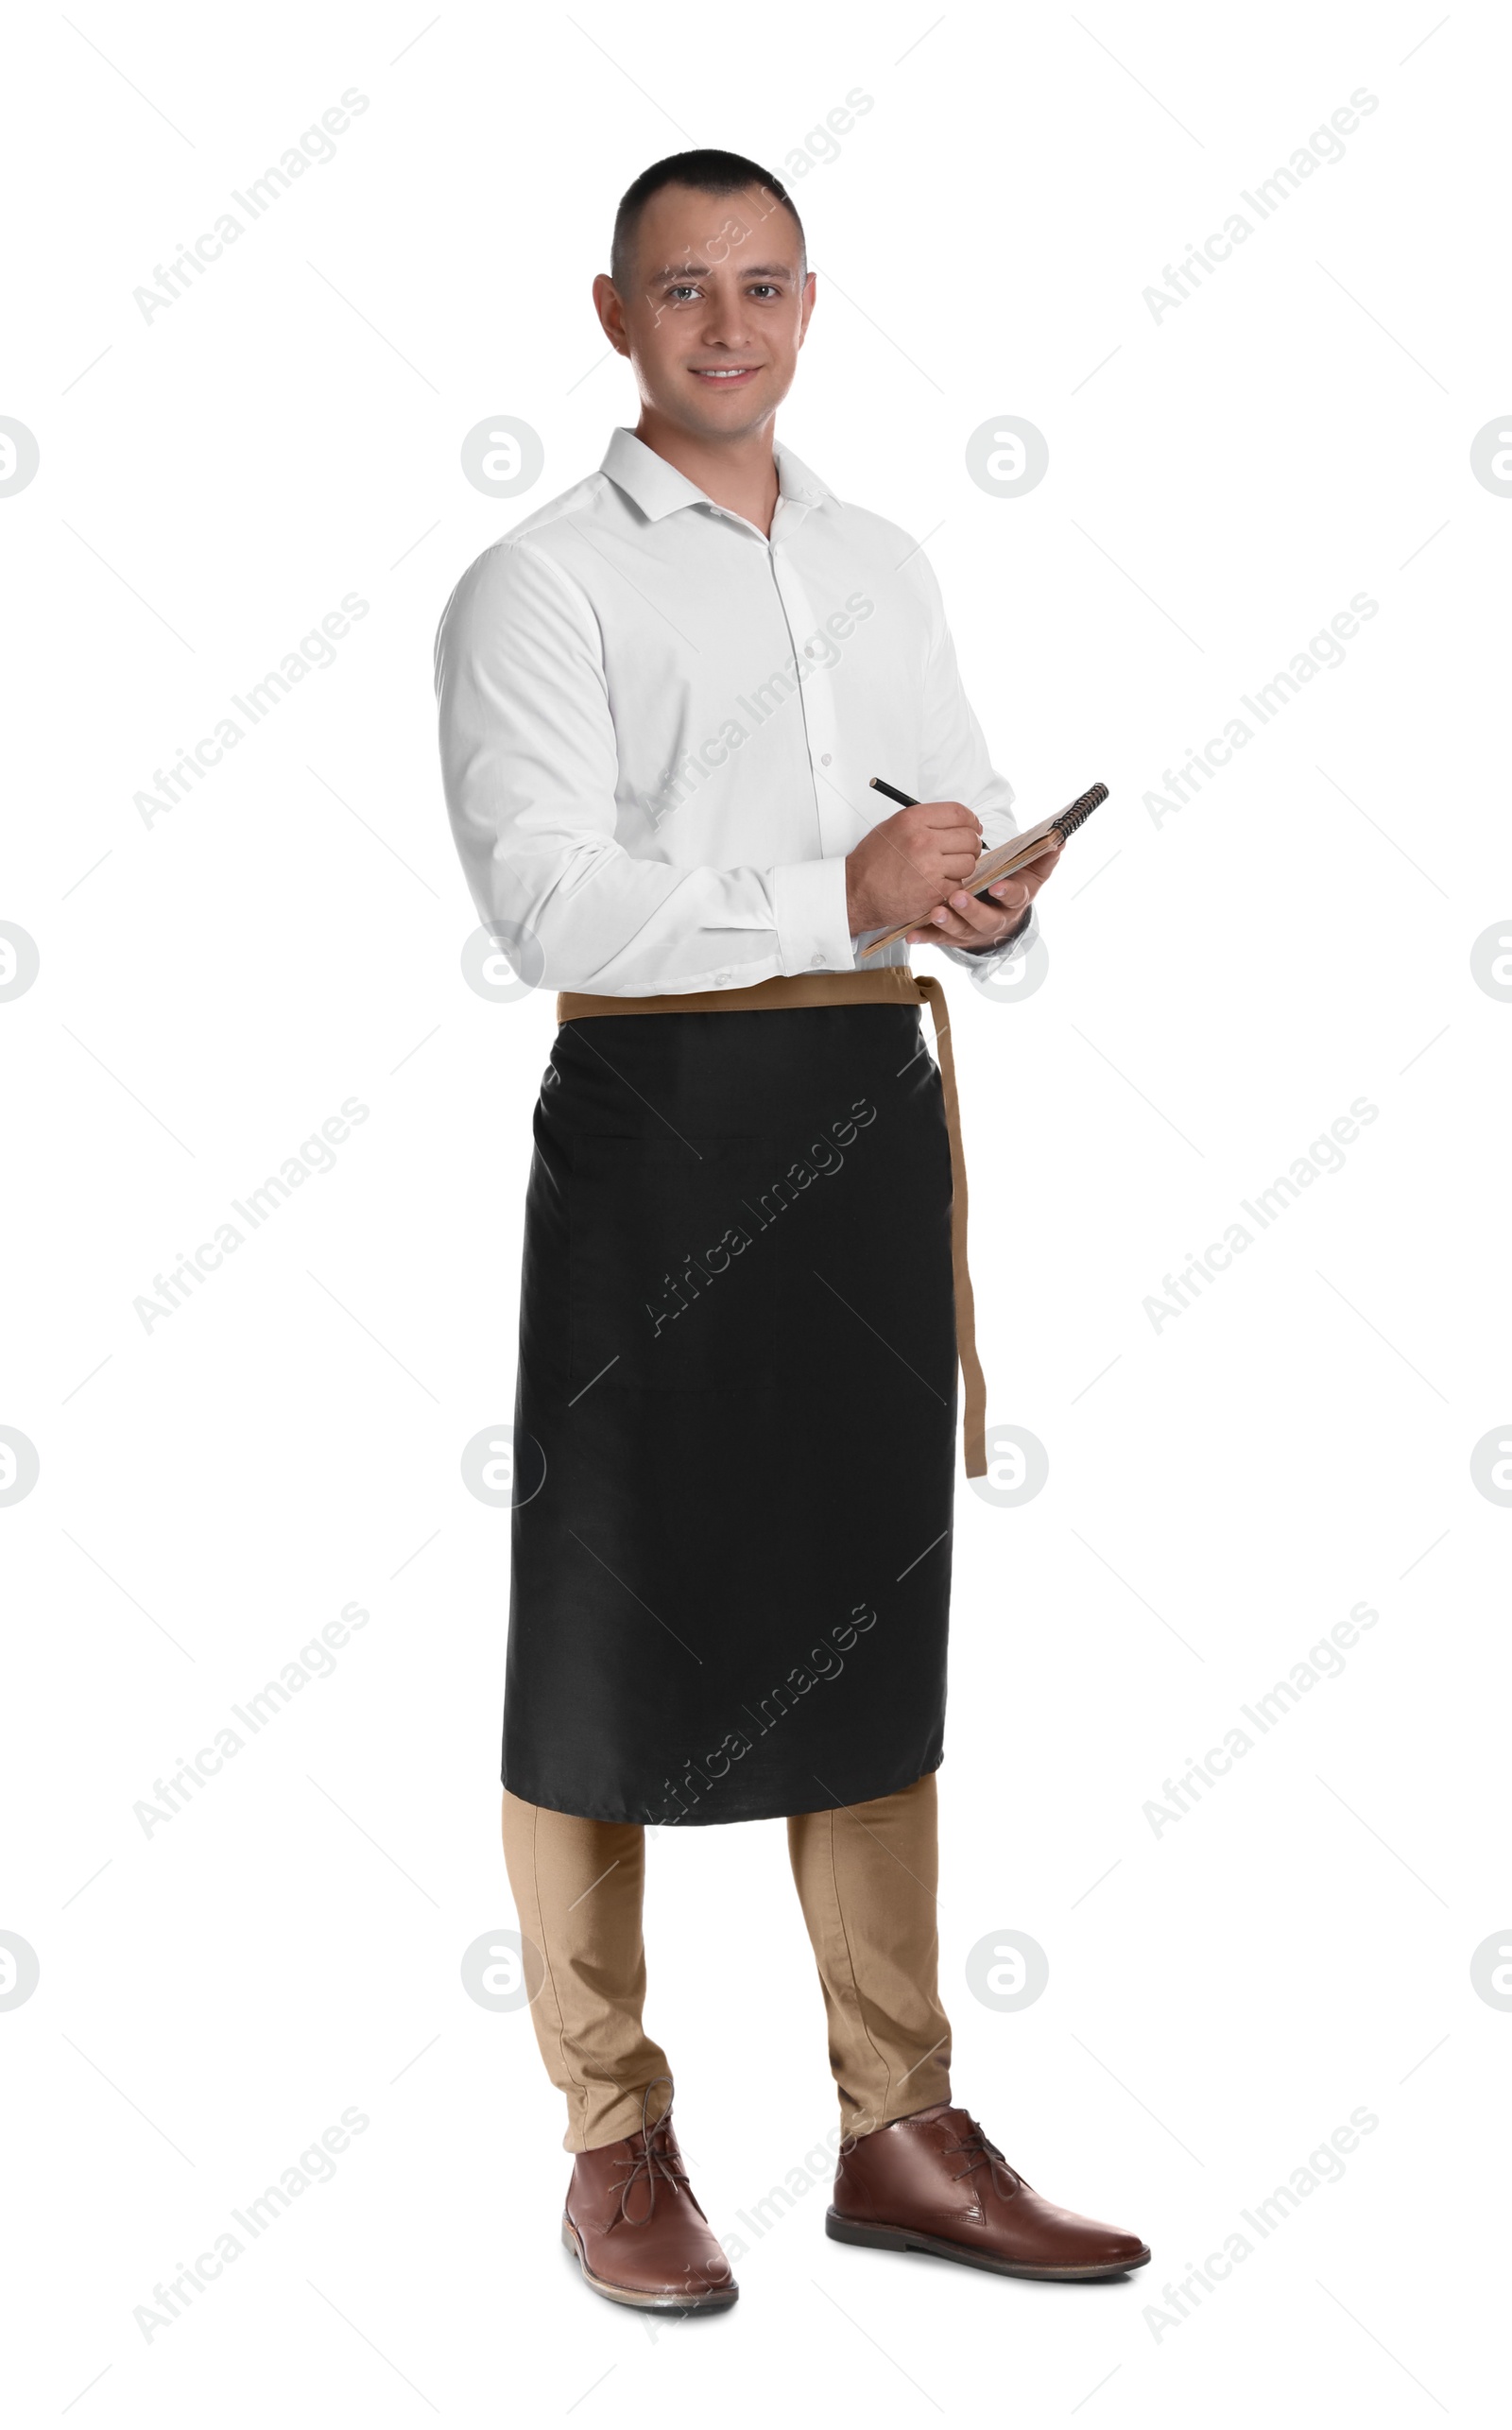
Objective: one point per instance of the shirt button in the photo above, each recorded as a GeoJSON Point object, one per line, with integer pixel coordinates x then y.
{"type": "Point", "coordinates": [818, 962]}
{"type": "Point", "coordinates": [721, 978]}
{"type": "Point", "coordinates": [824, 758]}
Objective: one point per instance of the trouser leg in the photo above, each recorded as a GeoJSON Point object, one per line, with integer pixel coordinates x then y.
{"type": "Point", "coordinates": [577, 1888]}
{"type": "Point", "coordinates": [866, 1877]}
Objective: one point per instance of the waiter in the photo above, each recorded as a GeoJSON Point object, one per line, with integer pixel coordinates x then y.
{"type": "Point", "coordinates": [745, 1295]}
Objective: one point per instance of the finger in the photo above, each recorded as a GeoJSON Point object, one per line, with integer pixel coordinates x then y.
{"type": "Point", "coordinates": [955, 843]}
{"type": "Point", "coordinates": [949, 813]}
{"type": "Point", "coordinates": [946, 873]}
{"type": "Point", "coordinates": [962, 847]}
{"type": "Point", "coordinates": [983, 921]}
{"type": "Point", "coordinates": [963, 921]}
{"type": "Point", "coordinates": [1044, 865]}
{"type": "Point", "coordinates": [948, 926]}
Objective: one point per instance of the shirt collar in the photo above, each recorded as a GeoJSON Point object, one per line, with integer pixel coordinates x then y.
{"type": "Point", "coordinates": [658, 488]}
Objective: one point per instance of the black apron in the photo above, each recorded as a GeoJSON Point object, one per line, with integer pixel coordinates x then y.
{"type": "Point", "coordinates": [735, 1417]}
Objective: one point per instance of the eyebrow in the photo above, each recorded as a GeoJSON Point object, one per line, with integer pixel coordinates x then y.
{"type": "Point", "coordinates": [700, 270]}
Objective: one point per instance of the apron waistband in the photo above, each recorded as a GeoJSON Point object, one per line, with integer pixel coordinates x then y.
{"type": "Point", "coordinates": [799, 992]}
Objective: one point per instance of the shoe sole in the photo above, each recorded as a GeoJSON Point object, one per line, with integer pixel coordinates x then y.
{"type": "Point", "coordinates": [910, 2240]}
{"type": "Point", "coordinates": [717, 2299]}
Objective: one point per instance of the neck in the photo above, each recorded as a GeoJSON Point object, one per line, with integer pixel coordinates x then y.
{"type": "Point", "coordinates": [738, 472]}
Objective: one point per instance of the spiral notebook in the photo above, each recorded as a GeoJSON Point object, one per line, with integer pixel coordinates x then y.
{"type": "Point", "coordinates": [1015, 854]}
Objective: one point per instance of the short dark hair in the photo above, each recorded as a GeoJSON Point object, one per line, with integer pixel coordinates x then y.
{"type": "Point", "coordinates": [708, 172]}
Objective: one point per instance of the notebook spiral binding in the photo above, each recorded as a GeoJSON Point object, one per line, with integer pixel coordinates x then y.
{"type": "Point", "coordinates": [1069, 820]}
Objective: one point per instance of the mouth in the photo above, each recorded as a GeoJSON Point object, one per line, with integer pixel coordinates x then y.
{"type": "Point", "coordinates": [725, 376]}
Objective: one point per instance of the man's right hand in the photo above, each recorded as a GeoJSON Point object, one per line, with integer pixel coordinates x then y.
{"type": "Point", "coordinates": [909, 862]}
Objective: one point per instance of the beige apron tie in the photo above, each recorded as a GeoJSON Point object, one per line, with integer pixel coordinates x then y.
{"type": "Point", "coordinates": [804, 990]}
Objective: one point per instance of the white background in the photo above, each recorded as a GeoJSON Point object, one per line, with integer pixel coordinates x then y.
{"type": "Point", "coordinates": [1221, 987]}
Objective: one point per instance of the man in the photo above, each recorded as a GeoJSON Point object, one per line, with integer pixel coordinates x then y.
{"type": "Point", "coordinates": [743, 1290]}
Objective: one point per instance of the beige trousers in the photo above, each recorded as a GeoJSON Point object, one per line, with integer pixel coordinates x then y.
{"type": "Point", "coordinates": [865, 1878]}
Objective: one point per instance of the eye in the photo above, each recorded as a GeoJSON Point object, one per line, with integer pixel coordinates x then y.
{"type": "Point", "coordinates": [688, 288]}
{"type": "Point", "coordinates": [766, 287]}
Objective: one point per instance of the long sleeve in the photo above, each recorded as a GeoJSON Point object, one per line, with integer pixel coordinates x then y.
{"type": "Point", "coordinates": [530, 771]}
{"type": "Point", "coordinates": [958, 768]}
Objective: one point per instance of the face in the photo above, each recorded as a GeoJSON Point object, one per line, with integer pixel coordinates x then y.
{"type": "Point", "coordinates": [717, 311]}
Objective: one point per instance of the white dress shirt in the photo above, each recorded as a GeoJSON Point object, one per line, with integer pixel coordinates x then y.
{"type": "Point", "coordinates": [658, 724]}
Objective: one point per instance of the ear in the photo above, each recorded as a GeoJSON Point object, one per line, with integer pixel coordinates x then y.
{"type": "Point", "coordinates": [611, 312]}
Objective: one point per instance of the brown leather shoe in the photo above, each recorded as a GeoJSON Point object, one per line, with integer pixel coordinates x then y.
{"type": "Point", "coordinates": [933, 2184]}
{"type": "Point", "coordinates": [637, 2227]}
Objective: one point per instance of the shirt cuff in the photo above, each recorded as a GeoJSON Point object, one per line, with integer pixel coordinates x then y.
{"type": "Point", "coordinates": [813, 929]}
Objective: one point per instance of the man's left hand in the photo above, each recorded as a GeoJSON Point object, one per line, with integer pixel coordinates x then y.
{"type": "Point", "coordinates": [962, 921]}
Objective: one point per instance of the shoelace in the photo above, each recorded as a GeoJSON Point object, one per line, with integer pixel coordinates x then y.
{"type": "Point", "coordinates": [653, 2159]}
{"type": "Point", "coordinates": [976, 2145]}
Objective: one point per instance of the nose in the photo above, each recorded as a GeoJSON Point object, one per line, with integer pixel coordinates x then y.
{"type": "Point", "coordinates": [724, 324]}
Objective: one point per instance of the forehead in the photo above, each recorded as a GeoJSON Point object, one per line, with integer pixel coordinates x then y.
{"type": "Point", "coordinates": [681, 227]}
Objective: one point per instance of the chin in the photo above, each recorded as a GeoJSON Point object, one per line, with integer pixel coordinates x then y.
{"type": "Point", "coordinates": [727, 423]}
